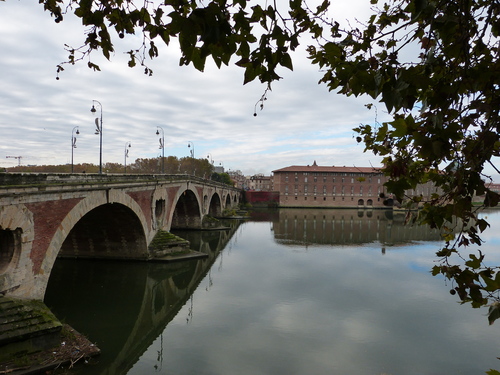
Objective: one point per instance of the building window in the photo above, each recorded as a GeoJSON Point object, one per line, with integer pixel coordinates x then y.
{"type": "Point", "coordinates": [361, 190]}
{"type": "Point", "coordinates": [315, 179]}
{"type": "Point", "coordinates": [305, 179]}
{"type": "Point", "coordinates": [352, 190]}
{"type": "Point", "coordinates": [324, 189]}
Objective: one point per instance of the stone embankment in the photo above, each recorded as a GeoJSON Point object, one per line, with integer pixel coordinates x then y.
{"type": "Point", "coordinates": [32, 340]}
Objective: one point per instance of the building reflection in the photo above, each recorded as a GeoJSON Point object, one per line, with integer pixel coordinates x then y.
{"type": "Point", "coordinates": [347, 227]}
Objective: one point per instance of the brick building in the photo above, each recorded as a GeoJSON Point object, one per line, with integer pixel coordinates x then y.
{"type": "Point", "coordinates": [321, 186]}
{"type": "Point", "coordinates": [259, 182]}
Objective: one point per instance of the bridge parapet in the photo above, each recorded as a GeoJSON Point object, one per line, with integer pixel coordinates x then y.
{"type": "Point", "coordinates": [24, 180]}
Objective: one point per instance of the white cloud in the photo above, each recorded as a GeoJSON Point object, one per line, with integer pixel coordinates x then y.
{"type": "Point", "coordinates": [301, 121]}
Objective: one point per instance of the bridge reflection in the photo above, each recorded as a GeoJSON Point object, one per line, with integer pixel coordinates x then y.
{"type": "Point", "coordinates": [125, 324]}
{"type": "Point", "coordinates": [347, 227]}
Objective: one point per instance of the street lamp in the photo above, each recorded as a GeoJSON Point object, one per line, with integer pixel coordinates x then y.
{"type": "Point", "coordinates": [98, 130]}
{"type": "Point", "coordinates": [127, 146]}
{"type": "Point", "coordinates": [162, 147]}
{"type": "Point", "coordinates": [73, 144]}
{"type": "Point", "coordinates": [210, 159]}
{"type": "Point", "coordinates": [191, 150]}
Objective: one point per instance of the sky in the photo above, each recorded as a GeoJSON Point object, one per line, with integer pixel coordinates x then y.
{"type": "Point", "coordinates": [301, 122]}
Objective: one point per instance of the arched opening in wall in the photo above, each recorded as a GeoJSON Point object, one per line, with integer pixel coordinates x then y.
{"type": "Point", "coordinates": [228, 201]}
{"type": "Point", "coordinates": [214, 209]}
{"type": "Point", "coordinates": [160, 206]}
{"type": "Point", "coordinates": [108, 231]}
{"type": "Point", "coordinates": [369, 202]}
{"type": "Point", "coordinates": [187, 212]}
{"type": "Point", "coordinates": [361, 202]}
{"type": "Point", "coordinates": [10, 247]}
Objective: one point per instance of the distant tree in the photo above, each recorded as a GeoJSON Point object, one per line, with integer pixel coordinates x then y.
{"type": "Point", "coordinates": [223, 178]}
{"type": "Point", "coordinates": [145, 165]}
{"type": "Point", "coordinates": [113, 168]}
{"type": "Point", "coordinates": [197, 167]}
{"type": "Point", "coordinates": [172, 165]}
{"type": "Point", "coordinates": [432, 64]}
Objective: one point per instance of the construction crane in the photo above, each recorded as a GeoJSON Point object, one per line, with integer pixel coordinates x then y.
{"type": "Point", "coordinates": [15, 157]}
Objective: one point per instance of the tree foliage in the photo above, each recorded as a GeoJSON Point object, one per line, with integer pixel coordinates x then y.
{"type": "Point", "coordinates": [196, 167]}
{"type": "Point", "coordinates": [433, 64]}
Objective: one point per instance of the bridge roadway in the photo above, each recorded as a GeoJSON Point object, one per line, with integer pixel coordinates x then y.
{"type": "Point", "coordinates": [94, 216]}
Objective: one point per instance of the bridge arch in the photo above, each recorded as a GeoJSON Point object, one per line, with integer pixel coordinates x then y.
{"type": "Point", "coordinates": [97, 205]}
{"type": "Point", "coordinates": [215, 206]}
{"type": "Point", "coordinates": [228, 201]}
{"type": "Point", "coordinates": [186, 211]}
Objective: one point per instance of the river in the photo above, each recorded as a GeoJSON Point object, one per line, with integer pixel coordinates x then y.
{"type": "Point", "coordinates": [294, 291]}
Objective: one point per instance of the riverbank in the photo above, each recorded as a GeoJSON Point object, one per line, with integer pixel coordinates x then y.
{"type": "Point", "coordinates": [74, 348]}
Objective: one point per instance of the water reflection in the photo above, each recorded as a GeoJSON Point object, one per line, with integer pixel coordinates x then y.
{"type": "Point", "coordinates": [347, 227]}
{"type": "Point", "coordinates": [271, 310]}
{"type": "Point", "coordinates": [124, 306]}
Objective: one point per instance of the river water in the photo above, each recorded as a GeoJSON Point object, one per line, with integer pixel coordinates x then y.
{"type": "Point", "coordinates": [287, 292]}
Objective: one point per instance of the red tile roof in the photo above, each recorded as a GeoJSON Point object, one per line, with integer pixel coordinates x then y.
{"type": "Point", "coordinates": [318, 168]}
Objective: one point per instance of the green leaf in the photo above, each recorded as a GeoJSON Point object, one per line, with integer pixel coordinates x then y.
{"type": "Point", "coordinates": [286, 61]}
{"type": "Point", "coordinates": [493, 312]}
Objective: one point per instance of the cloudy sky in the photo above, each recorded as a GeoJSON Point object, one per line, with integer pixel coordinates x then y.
{"type": "Point", "coordinates": [301, 123]}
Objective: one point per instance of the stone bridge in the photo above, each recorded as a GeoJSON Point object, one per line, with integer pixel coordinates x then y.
{"type": "Point", "coordinates": [94, 216]}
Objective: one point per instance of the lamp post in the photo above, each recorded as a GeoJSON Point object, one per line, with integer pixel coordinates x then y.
{"type": "Point", "coordinates": [162, 147]}
{"type": "Point", "coordinates": [127, 146]}
{"type": "Point", "coordinates": [191, 150]}
{"type": "Point", "coordinates": [73, 144]}
{"type": "Point", "coordinates": [210, 159]}
{"type": "Point", "coordinates": [98, 130]}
